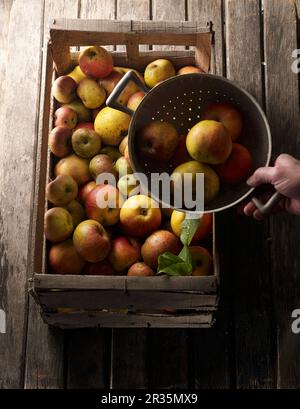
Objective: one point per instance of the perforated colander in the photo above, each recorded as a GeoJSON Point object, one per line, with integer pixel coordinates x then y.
{"type": "Point", "coordinates": [181, 100]}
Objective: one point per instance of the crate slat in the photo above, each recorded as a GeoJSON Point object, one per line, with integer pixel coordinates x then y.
{"type": "Point", "coordinates": [121, 320]}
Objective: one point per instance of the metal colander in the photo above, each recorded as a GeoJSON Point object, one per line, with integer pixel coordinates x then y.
{"type": "Point", "coordinates": [181, 100]}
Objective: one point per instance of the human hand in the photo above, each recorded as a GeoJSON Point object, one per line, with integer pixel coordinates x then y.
{"type": "Point", "coordinates": [285, 177]}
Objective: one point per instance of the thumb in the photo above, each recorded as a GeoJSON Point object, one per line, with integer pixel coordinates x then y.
{"type": "Point", "coordinates": [262, 176]}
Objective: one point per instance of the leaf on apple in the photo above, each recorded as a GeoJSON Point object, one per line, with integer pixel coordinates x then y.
{"type": "Point", "coordinates": [189, 228]}
{"type": "Point", "coordinates": [173, 265]}
{"type": "Point", "coordinates": [180, 265]}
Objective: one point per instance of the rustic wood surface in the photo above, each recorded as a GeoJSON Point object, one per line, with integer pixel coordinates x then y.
{"type": "Point", "coordinates": [252, 345]}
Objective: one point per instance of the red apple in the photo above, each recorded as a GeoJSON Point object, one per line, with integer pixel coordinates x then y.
{"type": "Point", "coordinates": [228, 115]}
{"type": "Point", "coordinates": [140, 269]}
{"type": "Point", "coordinates": [95, 62]}
{"type": "Point", "coordinates": [60, 141]}
{"type": "Point", "coordinates": [202, 261]}
{"type": "Point", "coordinates": [103, 204]}
{"type": "Point", "coordinates": [84, 190]}
{"type": "Point", "coordinates": [189, 69]}
{"type": "Point", "coordinates": [88, 125]}
{"type": "Point", "coordinates": [64, 89]}
{"type": "Point", "coordinates": [237, 167]}
{"type": "Point", "coordinates": [135, 100]}
{"type": "Point", "coordinates": [157, 141]}
{"type": "Point", "coordinates": [159, 242]}
{"type": "Point", "coordinates": [140, 216]}
{"type": "Point", "coordinates": [64, 259]}
{"type": "Point", "coordinates": [124, 252]}
{"type": "Point", "coordinates": [65, 116]}
{"type": "Point", "coordinates": [62, 190]}
{"type": "Point", "coordinates": [91, 241]}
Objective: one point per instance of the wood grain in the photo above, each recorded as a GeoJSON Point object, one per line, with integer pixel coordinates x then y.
{"type": "Point", "coordinates": [5, 7]}
{"type": "Point", "coordinates": [45, 347]}
{"type": "Point", "coordinates": [202, 10]}
{"type": "Point", "coordinates": [282, 92]}
{"type": "Point", "coordinates": [168, 10]}
{"type": "Point", "coordinates": [133, 10]}
{"type": "Point", "coordinates": [88, 357]}
{"type": "Point", "coordinates": [16, 179]}
{"type": "Point", "coordinates": [252, 307]}
{"type": "Point", "coordinates": [98, 9]}
{"type": "Point", "coordinates": [129, 359]}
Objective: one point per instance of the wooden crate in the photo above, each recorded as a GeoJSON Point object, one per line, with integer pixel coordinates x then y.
{"type": "Point", "coordinates": [116, 301]}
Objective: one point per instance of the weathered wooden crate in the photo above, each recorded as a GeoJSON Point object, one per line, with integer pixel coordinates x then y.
{"type": "Point", "coordinates": [117, 301]}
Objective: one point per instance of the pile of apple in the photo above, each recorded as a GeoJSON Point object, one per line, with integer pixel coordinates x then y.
{"type": "Point", "coordinates": [87, 140]}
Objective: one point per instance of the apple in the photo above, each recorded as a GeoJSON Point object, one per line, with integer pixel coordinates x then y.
{"type": "Point", "coordinates": [157, 141]}
{"type": "Point", "coordinates": [158, 71]}
{"type": "Point", "coordinates": [112, 125]}
{"type": "Point", "coordinates": [128, 185]}
{"type": "Point", "coordinates": [109, 82]}
{"type": "Point", "coordinates": [157, 243]}
{"type": "Point", "coordinates": [95, 62]}
{"type": "Point", "coordinates": [181, 154]}
{"type": "Point", "coordinates": [140, 216]}
{"type": "Point", "coordinates": [91, 93]}
{"type": "Point", "coordinates": [228, 115]}
{"type": "Point", "coordinates": [123, 144]}
{"type": "Point", "coordinates": [74, 166]}
{"type": "Point", "coordinates": [83, 114]}
{"type": "Point", "coordinates": [103, 204]}
{"type": "Point", "coordinates": [211, 179]}
{"type": "Point", "coordinates": [111, 151]}
{"type": "Point", "coordinates": [135, 100]}
{"type": "Point", "coordinates": [204, 228]}
{"type": "Point", "coordinates": [62, 190]}
{"type": "Point", "coordinates": [60, 141]}
{"type": "Point", "coordinates": [58, 224]}
{"type": "Point", "coordinates": [64, 259]}
{"type": "Point", "coordinates": [202, 261]}
{"type": "Point", "coordinates": [84, 190]}
{"type": "Point", "coordinates": [189, 69]}
{"type": "Point", "coordinates": [124, 252]}
{"type": "Point", "coordinates": [102, 268]}
{"type": "Point", "coordinates": [64, 89]}
{"type": "Point", "coordinates": [65, 116]}
{"type": "Point", "coordinates": [76, 74]}
{"type": "Point", "coordinates": [101, 164]}
{"type": "Point", "coordinates": [84, 125]}
{"type": "Point", "coordinates": [209, 142]}
{"type": "Point", "coordinates": [140, 269]}
{"type": "Point", "coordinates": [76, 211]}
{"type": "Point", "coordinates": [237, 167]}
{"type": "Point", "coordinates": [123, 167]}
{"type": "Point", "coordinates": [91, 241]}
{"type": "Point", "coordinates": [86, 143]}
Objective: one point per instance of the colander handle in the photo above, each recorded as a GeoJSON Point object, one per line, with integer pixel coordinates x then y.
{"type": "Point", "coordinates": [112, 100]}
{"type": "Point", "coordinates": [266, 208]}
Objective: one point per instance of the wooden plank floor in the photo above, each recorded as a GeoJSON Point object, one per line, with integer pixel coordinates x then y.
{"type": "Point", "coordinates": [252, 345]}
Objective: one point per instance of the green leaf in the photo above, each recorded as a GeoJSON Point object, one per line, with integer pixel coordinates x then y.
{"type": "Point", "coordinates": [173, 265]}
{"type": "Point", "coordinates": [185, 255]}
{"type": "Point", "coordinates": [189, 228]}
